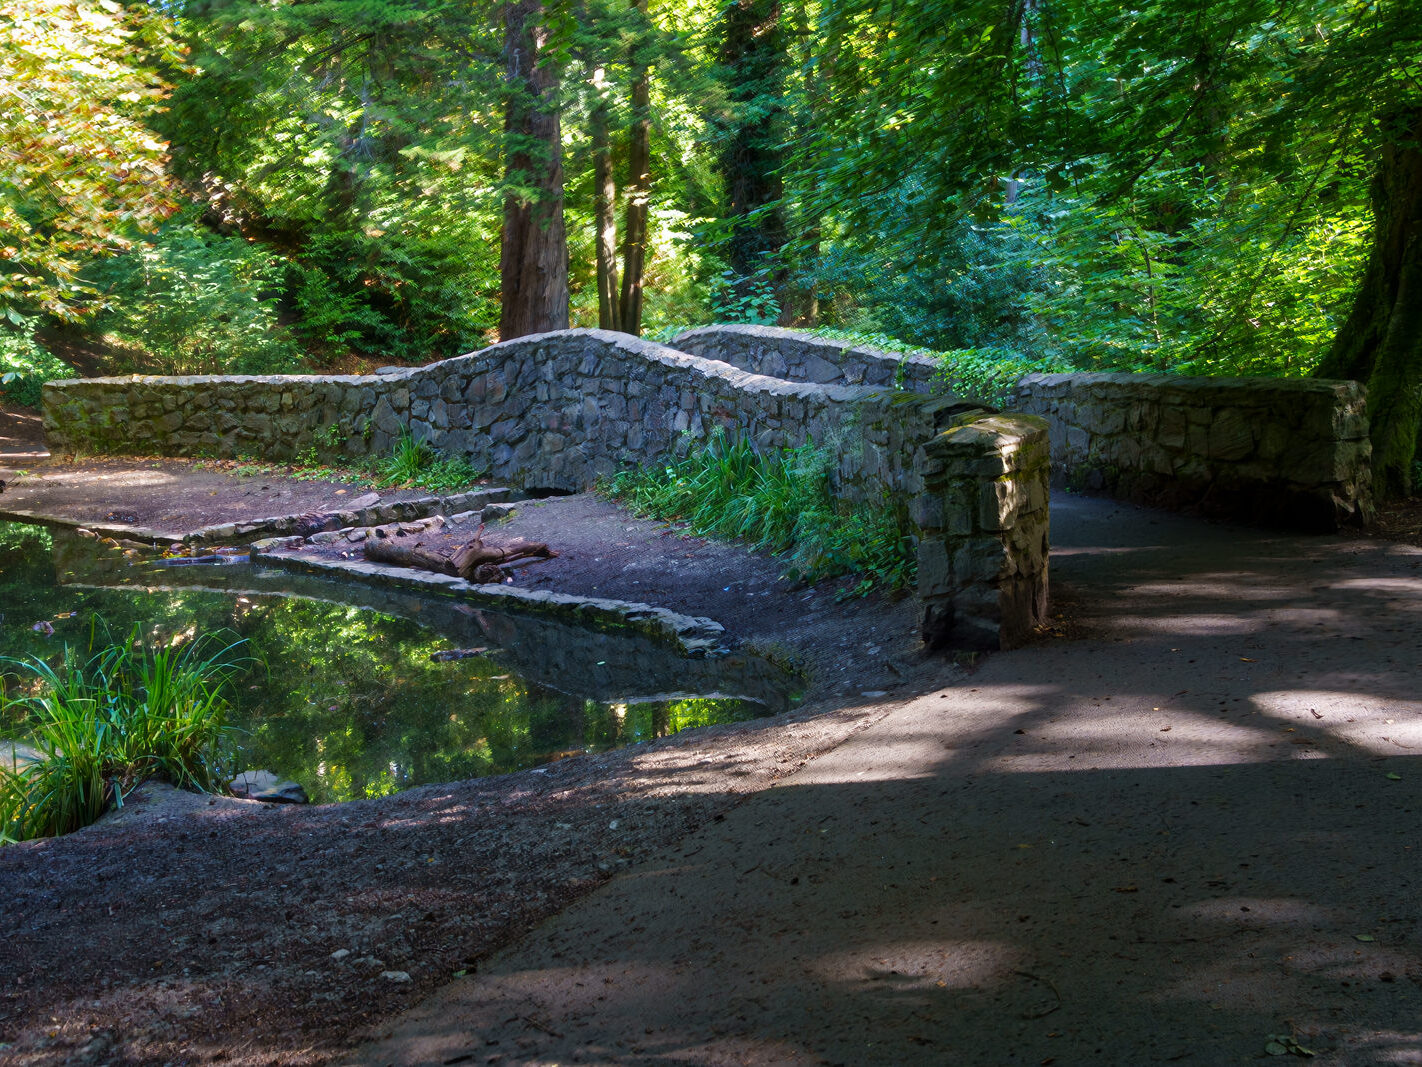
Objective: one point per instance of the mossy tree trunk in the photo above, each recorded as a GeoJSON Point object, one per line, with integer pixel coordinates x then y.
{"type": "Point", "coordinates": [1381, 341]}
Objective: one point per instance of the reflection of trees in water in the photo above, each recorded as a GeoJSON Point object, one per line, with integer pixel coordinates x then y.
{"type": "Point", "coordinates": [345, 700]}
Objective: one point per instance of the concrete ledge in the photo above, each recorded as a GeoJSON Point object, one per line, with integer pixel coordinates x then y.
{"type": "Point", "coordinates": [399, 511]}
{"type": "Point", "coordinates": [695, 637]}
{"type": "Point", "coordinates": [103, 529]}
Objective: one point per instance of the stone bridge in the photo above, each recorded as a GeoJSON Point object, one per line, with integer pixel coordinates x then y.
{"type": "Point", "coordinates": [559, 410]}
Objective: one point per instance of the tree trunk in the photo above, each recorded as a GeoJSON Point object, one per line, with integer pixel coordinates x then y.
{"type": "Point", "coordinates": [639, 195]}
{"type": "Point", "coordinates": [1381, 341]}
{"type": "Point", "coordinates": [753, 57]}
{"type": "Point", "coordinates": [533, 254]}
{"type": "Point", "coordinates": [609, 304]}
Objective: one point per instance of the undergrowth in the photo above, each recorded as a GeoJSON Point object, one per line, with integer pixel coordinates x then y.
{"type": "Point", "coordinates": [779, 502]}
{"type": "Point", "coordinates": [988, 375]}
{"type": "Point", "coordinates": [103, 723]}
{"type": "Point", "coordinates": [411, 464]}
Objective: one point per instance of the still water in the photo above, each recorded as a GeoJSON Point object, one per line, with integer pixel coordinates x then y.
{"type": "Point", "coordinates": [350, 691]}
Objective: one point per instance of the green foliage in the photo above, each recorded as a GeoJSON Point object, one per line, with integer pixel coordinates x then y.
{"type": "Point", "coordinates": [750, 300]}
{"type": "Point", "coordinates": [988, 375]}
{"type": "Point", "coordinates": [417, 464]}
{"type": "Point", "coordinates": [194, 302]}
{"type": "Point", "coordinates": [25, 365]}
{"type": "Point", "coordinates": [104, 723]}
{"type": "Point", "coordinates": [83, 172]}
{"type": "Point", "coordinates": [779, 503]}
{"type": "Point", "coordinates": [402, 296]}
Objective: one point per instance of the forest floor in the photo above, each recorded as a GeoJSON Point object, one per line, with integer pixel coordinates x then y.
{"type": "Point", "coordinates": [1176, 828]}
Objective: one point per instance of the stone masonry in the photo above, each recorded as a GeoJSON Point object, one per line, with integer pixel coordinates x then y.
{"type": "Point", "coordinates": [1281, 451]}
{"type": "Point", "coordinates": [559, 410]}
{"type": "Point", "coordinates": [1290, 452]}
{"type": "Point", "coordinates": [983, 532]}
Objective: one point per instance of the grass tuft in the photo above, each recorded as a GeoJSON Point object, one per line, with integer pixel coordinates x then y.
{"type": "Point", "coordinates": [103, 724]}
{"type": "Point", "coordinates": [779, 503]}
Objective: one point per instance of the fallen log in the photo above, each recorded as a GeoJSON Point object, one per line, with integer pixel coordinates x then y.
{"type": "Point", "coordinates": [473, 561]}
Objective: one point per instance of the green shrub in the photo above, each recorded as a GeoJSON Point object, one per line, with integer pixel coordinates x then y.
{"type": "Point", "coordinates": [417, 464]}
{"type": "Point", "coordinates": [103, 724]}
{"type": "Point", "coordinates": [988, 375]}
{"type": "Point", "coordinates": [195, 302]}
{"type": "Point", "coordinates": [25, 365]}
{"type": "Point", "coordinates": [779, 503]}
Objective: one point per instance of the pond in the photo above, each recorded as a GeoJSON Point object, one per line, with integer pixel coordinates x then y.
{"type": "Point", "coordinates": [358, 692]}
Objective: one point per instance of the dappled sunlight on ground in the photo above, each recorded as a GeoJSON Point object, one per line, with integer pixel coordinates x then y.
{"type": "Point", "coordinates": [81, 477]}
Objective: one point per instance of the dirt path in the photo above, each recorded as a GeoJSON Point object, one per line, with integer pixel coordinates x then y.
{"type": "Point", "coordinates": [1182, 824]}
{"type": "Point", "coordinates": [173, 496]}
{"type": "Point", "coordinates": [1183, 836]}
{"type": "Point", "coordinates": [21, 432]}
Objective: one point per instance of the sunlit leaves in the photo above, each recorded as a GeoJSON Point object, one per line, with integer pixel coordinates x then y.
{"type": "Point", "coordinates": [82, 172]}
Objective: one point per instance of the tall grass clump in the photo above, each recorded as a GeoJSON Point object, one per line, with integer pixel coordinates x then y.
{"type": "Point", "coordinates": [416, 463]}
{"type": "Point", "coordinates": [778, 502]}
{"type": "Point", "coordinates": [102, 724]}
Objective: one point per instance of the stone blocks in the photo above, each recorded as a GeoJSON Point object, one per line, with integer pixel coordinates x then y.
{"type": "Point", "coordinates": [983, 529]}
{"type": "Point", "coordinates": [1290, 452]}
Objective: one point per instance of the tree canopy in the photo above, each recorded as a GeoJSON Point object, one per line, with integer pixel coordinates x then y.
{"type": "Point", "coordinates": [1204, 186]}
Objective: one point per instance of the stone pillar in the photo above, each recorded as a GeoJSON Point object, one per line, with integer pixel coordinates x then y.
{"type": "Point", "coordinates": [982, 519]}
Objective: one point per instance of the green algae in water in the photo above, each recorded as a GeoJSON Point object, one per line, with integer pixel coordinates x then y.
{"type": "Point", "coordinates": [342, 694]}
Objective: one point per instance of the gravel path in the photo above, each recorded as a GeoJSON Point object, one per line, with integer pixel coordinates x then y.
{"type": "Point", "coordinates": [1185, 831]}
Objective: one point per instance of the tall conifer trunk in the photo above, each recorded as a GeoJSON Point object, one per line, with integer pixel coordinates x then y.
{"type": "Point", "coordinates": [753, 57]}
{"type": "Point", "coordinates": [533, 254]}
{"type": "Point", "coordinates": [609, 300]}
{"type": "Point", "coordinates": [639, 195]}
{"type": "Point", "coordinates": [1381, 341]}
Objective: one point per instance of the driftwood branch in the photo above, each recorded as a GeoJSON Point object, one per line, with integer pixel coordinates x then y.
{"type": "Point", "coordinates": [473, 561]}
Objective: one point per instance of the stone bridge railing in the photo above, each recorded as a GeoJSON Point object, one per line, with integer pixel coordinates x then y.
{"type": "Point", "coordinates": [1290, 452]}
{"type": "Point", "coordinates": [559, 410]}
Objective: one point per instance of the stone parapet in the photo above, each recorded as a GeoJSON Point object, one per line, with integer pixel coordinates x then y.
{"type": "Point", "coordinates": [1290, 452]}
{"type": "Point", "coordinates": [803, 357]}
{"type": "Point", "coordinates": [982, 517]}
{"type": "Point", "coordinates": [559, 410]}
{"type": "Point", "coordinates": [551, 411]}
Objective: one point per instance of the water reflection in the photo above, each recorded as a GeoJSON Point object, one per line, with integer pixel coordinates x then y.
{"type": "Point", "coordinates": [344, 695]}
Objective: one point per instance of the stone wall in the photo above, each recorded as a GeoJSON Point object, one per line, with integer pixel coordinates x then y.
{"type": "Point", "coordinates": [559, 410]}
{"type": "Point", "coordinates": [983, 532]}
{"type": "Point", "coordinates": [550, 411]}
{"type": "Point", "coordinates": [804, 357]}
{"type": "Point", "coordinates": [1281, 451]}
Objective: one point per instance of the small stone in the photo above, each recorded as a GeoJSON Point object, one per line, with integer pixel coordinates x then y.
{"type": "Point", "coordinates": [340, 953]}
{"type": "Point", "coordinates": [366, 500]}
{"type": "Point", "coordinates": [396, 976]}
{"type": "Point", "coordinates": [267, 787]}
{"type": "Point", "coordinates": [874, 693]}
